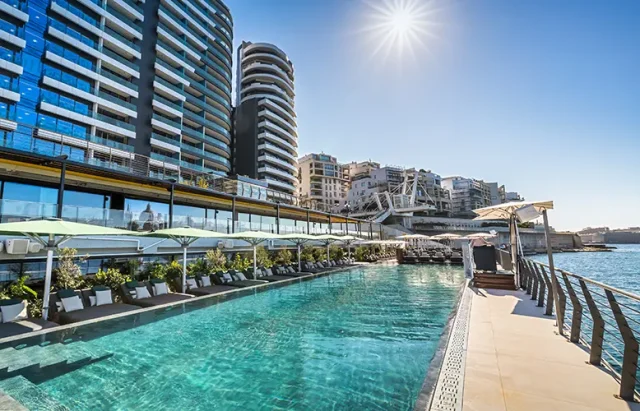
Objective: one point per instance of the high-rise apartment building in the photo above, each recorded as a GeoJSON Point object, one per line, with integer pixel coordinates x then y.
{"type": "Point", "coordinates": [266, 139]}
{"type": "Point", "coordinates": [467, 194]}
{"type": "Point", "coordinates": [323, 183]}
{"type": "Point", "coordinates": [121, 84]}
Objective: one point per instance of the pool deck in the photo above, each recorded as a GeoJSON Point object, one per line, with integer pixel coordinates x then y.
{"type": "Point", "coordinates": [515, 360]}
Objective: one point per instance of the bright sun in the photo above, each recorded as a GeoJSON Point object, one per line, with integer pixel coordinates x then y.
{"type": "Point", "coordinates": [400, 26]}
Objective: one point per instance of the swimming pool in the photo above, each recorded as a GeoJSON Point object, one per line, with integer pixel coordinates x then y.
{"type": "Point", "coordinates": [361, 339]}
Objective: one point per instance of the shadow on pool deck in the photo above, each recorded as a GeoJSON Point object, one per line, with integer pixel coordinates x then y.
{"type": "Point", "coordinates": [517, 361]}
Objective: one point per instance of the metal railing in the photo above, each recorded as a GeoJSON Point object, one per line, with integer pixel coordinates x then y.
{"type": "Point", "coordinates": [604, 319]}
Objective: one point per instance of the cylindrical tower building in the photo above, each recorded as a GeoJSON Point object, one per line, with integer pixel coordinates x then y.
{"type": "Point", "coordinates": [266, 146]}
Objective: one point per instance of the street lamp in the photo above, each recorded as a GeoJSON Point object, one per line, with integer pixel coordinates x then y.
{"type": "Point", "coordinates": [63, 171]}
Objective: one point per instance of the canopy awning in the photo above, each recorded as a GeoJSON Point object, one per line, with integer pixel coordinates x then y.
{"type": "Point", "coordinates": [55, 227]}
{"type": "Point", "coordinates": [446, 236]}
{"type": "Point", "coordinates": [480, 235]}
{"type": "Point", "coordinates": [506, 210]}
{"type": "Point", "coordinates": [412, 237]}
{"type": "Point", "coordinates": [185, 232]}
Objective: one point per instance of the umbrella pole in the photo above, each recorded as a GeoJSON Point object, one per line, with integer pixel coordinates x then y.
{"type": "Point", "coordinates": [299, 261]}
{"type": "Point", "coordinates": [47, 283]}
{"type": "Point", "coordinates": [254, 261]}
{"type": "Point", "coordinates": [327, 254]}
{"type": "Point", "coordinates": [184, 269]}
{"type": "Point", "coordinates": [552, 270]}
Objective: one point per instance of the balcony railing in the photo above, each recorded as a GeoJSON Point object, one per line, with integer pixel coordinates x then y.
{"type": "Point", "coordinates": [120, 157]}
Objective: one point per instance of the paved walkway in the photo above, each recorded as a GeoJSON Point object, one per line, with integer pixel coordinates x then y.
{"type": "Point", "coordinates": [517, 361]}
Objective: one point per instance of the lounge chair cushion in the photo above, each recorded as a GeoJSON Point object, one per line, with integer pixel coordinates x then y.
{"type": "Point", "coordinates": [90, 313]}
{"type": "Point", "coordinates": [160, 289]}
{"type": "Point", "coordinates": [92, 302]}
{"type": "Point", "coordinates": [227, 277]}
{"type": "Point", "coordinates": [72, 303]}
{"type": "Point", "coordinates": [191, 283]}
{"type": "Point", "coordinates": [103, 297]}
{"type": "Point", "coordinates": [206, 281]}
{"type": "Point", "coordinates": [24, 326]}
{"type": "Point", "coordinates": [142, 292]}
{"type": "Point", "coordinates": [13, 310]}
{"type": "Point", "coordinates": [161, 299]}
{"type": "Point", "coordinates": [241, 276]}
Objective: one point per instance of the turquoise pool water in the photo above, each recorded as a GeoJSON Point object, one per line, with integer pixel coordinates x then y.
{"type": "Point", "coordinates": [357, 340]}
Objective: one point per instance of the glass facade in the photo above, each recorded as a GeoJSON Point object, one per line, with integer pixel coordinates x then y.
{"type": "Point", "coordinates": [192, 85]}
{"type": "Point", "coordinates": [75, 78]}
{"type": "Point", "coordinates": [266, 79]}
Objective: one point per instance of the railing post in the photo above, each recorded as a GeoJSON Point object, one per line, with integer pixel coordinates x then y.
{"type": "Point", "coordinates": [550, 298]}
{"type": "Point", "coordinates": [576, 318]}
{"type": "Point", "coordinates": [526, 275]}
{"type": "Point", "coordinates": [597, 335]}
{"type": "Point", "coordinates": [533, 280]}
{"type": "Point", "coordinates": [630, 356]}
{"type": "Point", "coordinates": [542, 283]}
{"type": "Point", "coordinates": [561, 302]}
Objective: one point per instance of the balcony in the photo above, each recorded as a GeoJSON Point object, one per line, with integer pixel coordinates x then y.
{"type": "Point", "coordinates": [186, 148]}
{"type": "Point", "coordinates": [166, 124]}
{"type": "Point", "coordinates": [279, 131]}
{"type": "Point", "coordinates": [265, 169]}
{"type": "Point", "coordinates": [277, 140]}
{"type": "Point", "coordinates": [166, 106]}
{"type": "Point", "coordinates": [123, 21]}
{"type": "Point", "coordinates": [267, 88]}
{"type": "Point", "coordinates": [260, 66]}
{"type": "Point", "coordinates": [167, 143]}
{"type": "Point", "coordinates": [277, 150]}
{"type": "Point", "coordinates": [268, 78]}
{"type": "Point", "coordinates": [280, 184]}
{"type": "Point", "coordinates": [279, 162]}
{"type": "Point", "coordinates": [278, 120]}
{"type": "Point", "coordinates": [278, 109]}
{"type": "Point", "coordinates": [211, 94]}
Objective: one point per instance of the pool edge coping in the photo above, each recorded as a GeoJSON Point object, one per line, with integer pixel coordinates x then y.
{"type": "Point", "coordinates": [252, 290]}
{"type": "Point", "coordinates": [434, 376]}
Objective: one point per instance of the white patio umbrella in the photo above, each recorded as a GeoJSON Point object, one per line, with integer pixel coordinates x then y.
{"type": "Point", "coordinates": [480, 235]}
{"type": "Point", "coordinates": [524, 211]}
{"type": "Point", "coordinates": [298, 240]}
{"type": "Point", "coordinates": [254, 238]}
{"type": "Point", "coordinates": [185, 236]}
{"type": "Point", "coordinates": [51, 233]}
{"type": "Point", "coordinates": [445, 236]}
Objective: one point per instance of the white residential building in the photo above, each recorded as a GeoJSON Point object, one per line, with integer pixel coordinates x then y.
{"type": "Point", "coordinates": [323, 182]}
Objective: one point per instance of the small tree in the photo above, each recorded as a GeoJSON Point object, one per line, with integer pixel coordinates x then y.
{"type": "Point", "coordinates": [263, 259]}
{"type": "Point", "coordinates": [239, 263]}
{"type": "Point", "coordinates": [362, 253]}
{"type": "Point", "coordinates": [68, 273]}
{"type": "Point", "coordinates": [283, 257]}
{"type": "Point", "coordinates": [155, 270]}
{"type": "Point", "coordinates": [336, 253]}
{"type": "Point", "coordinates": [307, 255]}
{"type": "Point", "coordinates": [199, 267]}
{"type": "Point", "coordinates": [112, 278]}
{"type": "Point", "coordinates": [216, 260]}
{"type": "Point", "coordinates": [320, 254]}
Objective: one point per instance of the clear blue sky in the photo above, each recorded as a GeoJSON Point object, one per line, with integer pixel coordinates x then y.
{"type": "Point", "coordinates": [540, 95]}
